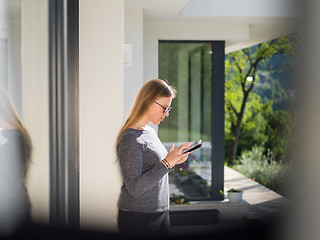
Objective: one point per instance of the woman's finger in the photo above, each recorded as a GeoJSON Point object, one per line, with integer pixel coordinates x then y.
{"type": "Point", "coordinates": [184, 146]}
{"type": "Point", "coordinates": [185, 155]}
{"type": "Point", "coordinates": [171, 148]}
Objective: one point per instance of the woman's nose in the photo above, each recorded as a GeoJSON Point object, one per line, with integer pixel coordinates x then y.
{"type": "Point", "coordinates": [166, 114]}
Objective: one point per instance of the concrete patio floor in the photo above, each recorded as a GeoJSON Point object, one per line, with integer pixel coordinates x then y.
{"type": "Point", "coordinates": [262, 202]}
{"type": "Point", "coordinates": [259, 207]}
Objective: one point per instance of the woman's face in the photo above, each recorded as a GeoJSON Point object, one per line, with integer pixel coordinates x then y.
{"type": "Point", "coordinates": [156, 112]}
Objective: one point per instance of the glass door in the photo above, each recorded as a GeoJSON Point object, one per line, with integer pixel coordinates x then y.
{"type": "Point", "coordinates": [187, 66]}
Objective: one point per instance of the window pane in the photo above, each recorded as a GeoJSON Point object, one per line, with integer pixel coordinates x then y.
{"type": "Point", "coordinates": [187, 66]}
{"type": "Point", "coordinates": [3, 63]}
{"type": "Point", "coordinates": [24, 151]}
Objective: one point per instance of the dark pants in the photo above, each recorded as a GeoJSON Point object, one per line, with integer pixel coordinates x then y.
{"type": "Point", "coordinates": [133, 223]}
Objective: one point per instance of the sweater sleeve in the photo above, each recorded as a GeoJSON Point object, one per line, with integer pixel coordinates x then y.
{"type": "Point", "coordinates": [13, 164]}
{"type": "Point", "coordinates": [130, 153]}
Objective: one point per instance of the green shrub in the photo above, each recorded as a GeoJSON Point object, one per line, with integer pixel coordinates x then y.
{"type": "Point", "coordinates": [275, 175]}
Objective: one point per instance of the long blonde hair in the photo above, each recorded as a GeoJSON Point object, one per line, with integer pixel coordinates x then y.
{"type": "Point", "coordinates": [9, 114]}
{"type": "Point", "coordinates": [149, 92]}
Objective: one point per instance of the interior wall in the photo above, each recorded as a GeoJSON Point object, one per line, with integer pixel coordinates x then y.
{"type": "Point", "coordinates": [36, 102]}
{"type": "Point", "coordinates": [101, 89]}
{"type": "Point", "coordinates": [133, 74]}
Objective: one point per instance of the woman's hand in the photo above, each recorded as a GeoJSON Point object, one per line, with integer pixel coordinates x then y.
{"type": "Point", "coordinates": [175, 157]}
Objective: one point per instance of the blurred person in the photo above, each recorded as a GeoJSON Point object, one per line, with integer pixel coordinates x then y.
{"type": "Point", "coordinates": [304, 221]}
{"type": "Point", "coordinates": [15, 151]}
{"type": "Point", "coordinates": [145, 163]}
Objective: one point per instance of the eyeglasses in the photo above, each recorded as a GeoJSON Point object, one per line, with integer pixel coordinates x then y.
{"type": "Point", "coordinates": [165, 109]}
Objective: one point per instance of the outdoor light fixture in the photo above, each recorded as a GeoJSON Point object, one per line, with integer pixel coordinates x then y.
{"type": "Point", "coordinates": [249, 79]}
{"type": "Point", "coordinates": [128, 55]}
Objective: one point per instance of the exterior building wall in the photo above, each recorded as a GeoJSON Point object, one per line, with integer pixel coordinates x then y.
{"type": "Point", "coordinates": [101, 110]}
{"type": "Point", "coordinates": [36, 103]}
{"type": "Point", "coordinates": [133, 73]}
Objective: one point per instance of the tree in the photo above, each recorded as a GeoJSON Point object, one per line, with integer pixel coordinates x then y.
{"type": "Point", "coordinates": [278, 131]}
{"type": "Point", "coordinates": [254, 123]}
{"type": "Point", "coordinates": [242, 69]}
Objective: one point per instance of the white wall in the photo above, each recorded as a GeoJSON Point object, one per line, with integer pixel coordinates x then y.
{"type": "Point", "coordinates": [101, 110]}
{"type": "Point", "coordinates": [232, 8]}
{"type": "Point", "coordinates": [36, 102]}
{"type": "Point", "coordinates": [133, 75]}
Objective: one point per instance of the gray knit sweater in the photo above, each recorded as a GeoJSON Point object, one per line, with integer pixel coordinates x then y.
{"type": "Point", "coordinates": [145, 179]}
{"type": "Point", "coordinates": [14, 152]}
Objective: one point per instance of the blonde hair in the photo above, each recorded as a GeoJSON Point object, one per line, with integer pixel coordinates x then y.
{"type": "Point", "coordinates": [149, 92]}
{"type": "Point", "coordinates": [9, 114]}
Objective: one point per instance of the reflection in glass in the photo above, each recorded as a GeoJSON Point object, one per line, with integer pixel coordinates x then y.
{"type": "Point", "coordinates": [15, 143]}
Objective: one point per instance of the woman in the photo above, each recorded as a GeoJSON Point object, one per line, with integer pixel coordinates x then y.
{"type": "Point", "coordinates": [15, 150]}
{"type": "Point", "coordinates": [145, 163]}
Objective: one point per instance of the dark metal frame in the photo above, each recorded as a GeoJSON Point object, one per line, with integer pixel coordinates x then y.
{"type": "Point", "coordinates": [218, 151]}
{"type": "Point", "coordinates": [63, 115]}
{"type": "Point", "coordinates": [218, 85]}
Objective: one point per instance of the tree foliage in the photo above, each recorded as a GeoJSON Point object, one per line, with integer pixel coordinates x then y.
{"type": "Point", "coordinates": [246, 115]}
